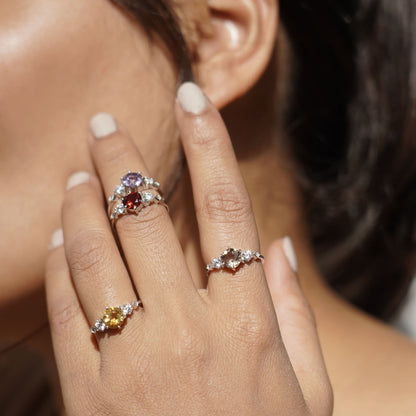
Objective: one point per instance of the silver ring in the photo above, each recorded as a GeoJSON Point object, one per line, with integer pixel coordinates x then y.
{"type": "Point", "coordinates": [232, 259]}
{"type": "Point", "coordinates": [134, 193]}
{"type": "Point", "coordinates": [114, 317]}
{"type": "Point", "coordinates": [133, 203]}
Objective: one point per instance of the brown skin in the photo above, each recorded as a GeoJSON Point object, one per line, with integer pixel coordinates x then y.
{"type": "Point", "coordinates": [50, 89]}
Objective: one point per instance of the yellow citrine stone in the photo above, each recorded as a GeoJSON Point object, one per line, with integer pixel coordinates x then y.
{"type": "Point", "coordinates": [113, 317]}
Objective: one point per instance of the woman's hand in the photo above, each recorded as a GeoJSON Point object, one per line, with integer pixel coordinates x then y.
{"type": "Point", "coordinates": [215, 351]}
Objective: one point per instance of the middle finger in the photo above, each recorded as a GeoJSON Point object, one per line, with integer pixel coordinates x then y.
{"type": "Point", "coordinates": [222, 203]}
{"type": "Point", "coordinates": [150, 245]}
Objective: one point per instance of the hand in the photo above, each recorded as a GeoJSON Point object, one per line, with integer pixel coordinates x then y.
{"type": "Point", "coordinates": [188, 351]}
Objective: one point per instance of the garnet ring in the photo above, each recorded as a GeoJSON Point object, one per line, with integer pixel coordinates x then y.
{"type": "Point", "coordinates": [115, 317]}
{"type": "Point", "coordinates": [133, 182]}
{"type": "Point", "coordinates": [134, 202]}
{"type": "Point", "coordinates": [232, 259]}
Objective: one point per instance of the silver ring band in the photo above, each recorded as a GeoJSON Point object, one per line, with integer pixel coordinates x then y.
{"type": "Point", "coordinates": [232, 259]}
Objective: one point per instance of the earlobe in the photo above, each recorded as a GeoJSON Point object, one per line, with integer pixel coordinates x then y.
{"type": "Point", "coordinates": [236, 53]}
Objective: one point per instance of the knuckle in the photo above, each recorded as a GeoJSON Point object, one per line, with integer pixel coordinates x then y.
{"type": "Point", "coordinates": [188, 347]}
{"type": "Point", "coordinates": [255, 330]}
{"type": "Point", "coordinates": [149, 223]}
{"type": "Point", "coordinates": [63, 314]}
{"type": "Point", "coordinates": [227, 203]}
{"type": "Point", "coordinates": [113, 150]}
{"type": "Point", "coordinates": [204, 140]}
{"type": "Point", "coordinates": [299, 307]}
{"type": "Point", "coordinates": [87, 252]}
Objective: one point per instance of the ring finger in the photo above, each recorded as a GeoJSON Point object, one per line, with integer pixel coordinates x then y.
{"type": "Point", "coordinates": [150, 245]}
{"type": "Point", "coordinates": [97, 269]}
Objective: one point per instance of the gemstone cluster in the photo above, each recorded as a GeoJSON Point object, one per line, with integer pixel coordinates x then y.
{"type": "Point", "coordinates": [232, 259]}
{"type": "Point", "coordinates": [114, 317]}
{"type": "Point", "coordinates": [134, 192]}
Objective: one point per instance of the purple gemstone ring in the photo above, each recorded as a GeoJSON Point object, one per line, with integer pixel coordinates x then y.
{"type": "Point", "coordinates": [133, 182]}
{"type": "Point", "coordinates": [232, 259]}
{"type": "Point", "coordinates": [133, 194]}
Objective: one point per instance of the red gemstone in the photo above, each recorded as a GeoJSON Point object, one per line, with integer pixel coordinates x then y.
{"type": "Point", "coordinates": [132, 201]}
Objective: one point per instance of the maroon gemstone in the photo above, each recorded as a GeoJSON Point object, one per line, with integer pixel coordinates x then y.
{"type": "Point", "coordinates": [132, 201]}
{"type": "Point", "coordinates": [132, 180]}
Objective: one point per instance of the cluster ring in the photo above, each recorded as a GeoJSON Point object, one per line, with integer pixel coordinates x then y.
{"type": "Point", "coordinates": [114, 317]}
{"type": "Point", "coordinates": [232, 259]}
{"type": "Point", "coordinates": [133, 194]}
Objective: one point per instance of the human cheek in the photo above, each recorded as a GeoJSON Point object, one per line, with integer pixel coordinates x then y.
{"type": "Point", "coordinates": [39, 66]}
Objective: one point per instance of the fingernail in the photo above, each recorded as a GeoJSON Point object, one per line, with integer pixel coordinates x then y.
{"type": "Point", "coordinates": [290, 254]}
{"type": "Point", "coordinates": [102, 124]}
{"type": "Point", "coordinates": [191, 98]}
{"type": "Point", "coordinates": [77, 179]}
{"type": "Point", "coordinates": [57, 239]}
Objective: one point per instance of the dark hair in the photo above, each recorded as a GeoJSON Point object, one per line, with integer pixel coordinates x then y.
{"type": "Point", "coordinates": [351, 123]}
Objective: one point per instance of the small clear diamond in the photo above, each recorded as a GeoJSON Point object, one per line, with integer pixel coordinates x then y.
{"type": "Point", "coordinates": [111, 198]}
{"type": "Point", "coordinates": [246, 255]}
{"type": "Point", "coordinates": [127, 309]}
{"type": "Point", "coordinates": [147, 197]}
{"type": "Point", "coordinates": [120, 190]}
{"type": "Point", "coordinates": [216, 263]}
{"type": "Point", "coordinates": [156, 184]}
{"type": "Point", "coordinates": [99, 326]}
{"type": "Point", "coordinates": [158, 197]}
{"type": "Point", "coordinates": [148, 182]}
{"type": "Point", "coordinates": [136, 303]}
{"type": "Point", "coordinates": [120, 209]}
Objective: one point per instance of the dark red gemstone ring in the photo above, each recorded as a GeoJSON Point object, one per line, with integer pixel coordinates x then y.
{"type": "Point", "coordinates": [134, 193]}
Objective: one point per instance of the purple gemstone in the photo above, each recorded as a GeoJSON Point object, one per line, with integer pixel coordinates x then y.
{"type": "Point", "coordinates": [132, 180]}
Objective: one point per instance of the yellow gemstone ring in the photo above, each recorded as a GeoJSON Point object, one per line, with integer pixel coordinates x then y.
{"type": "Point", "coordinates": [115, 317]}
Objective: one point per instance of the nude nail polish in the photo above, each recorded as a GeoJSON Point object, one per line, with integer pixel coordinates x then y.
{"type": "Point", "coordinates": [290, 253]}
{"type": "Point", "coordinates": [77, 179]}
{"type": "Point", "coordinates": [191, 98]}
{"type": "Point", "coordinates": [102, 124]}
{"type": "Point", "coordinates": [57, 239]}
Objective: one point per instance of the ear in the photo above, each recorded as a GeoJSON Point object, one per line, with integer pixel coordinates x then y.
{"type": "Point", "coordinates": [236, 53]}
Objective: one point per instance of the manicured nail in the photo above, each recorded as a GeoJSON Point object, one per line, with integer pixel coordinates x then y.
{"type": "Point", "coordinates": [77, 179]}
{"type": "Point", "coordinates": [191, 98]}
{"type": "Point", "coordinates": [57, 239]}
{"type": "Point", "coordinates": [290, 254]}
{"type": "Point", "coordinates": [102, 124]}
